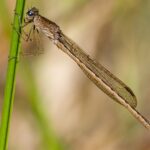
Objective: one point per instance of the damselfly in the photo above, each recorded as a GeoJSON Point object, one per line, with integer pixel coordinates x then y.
{"type": "Point", "coordinates": [98, 74]}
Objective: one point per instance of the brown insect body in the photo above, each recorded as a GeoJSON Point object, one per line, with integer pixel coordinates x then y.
{"type": "Point", "coordinates": [98, 74]}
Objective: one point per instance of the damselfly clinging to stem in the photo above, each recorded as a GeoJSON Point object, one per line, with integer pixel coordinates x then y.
{"type": "Point", "coordinates": [98, 74]}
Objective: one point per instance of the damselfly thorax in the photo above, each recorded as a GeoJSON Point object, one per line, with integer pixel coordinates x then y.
{"type": "Point", "coordinates": [98, 74]}
{"type": "Point", "coordinates": [47, 27]}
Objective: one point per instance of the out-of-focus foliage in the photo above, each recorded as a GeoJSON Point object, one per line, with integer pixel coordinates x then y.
{"type": "Point", "coordinates": [114, 32]}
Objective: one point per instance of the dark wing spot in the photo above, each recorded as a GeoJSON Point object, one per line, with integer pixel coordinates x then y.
{"type": "Point", "coordinates": [129, 90]}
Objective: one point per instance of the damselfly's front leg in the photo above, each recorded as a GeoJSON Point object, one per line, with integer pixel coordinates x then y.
{"type": "Point", "coordinates": [22, 32]}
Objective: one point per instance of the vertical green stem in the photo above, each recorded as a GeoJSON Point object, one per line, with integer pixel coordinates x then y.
{"type": "Point", "coordinates": [11, 73]}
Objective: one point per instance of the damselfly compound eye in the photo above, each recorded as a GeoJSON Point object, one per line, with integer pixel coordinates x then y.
{"type": "Point", "coordinates": [30, 13]}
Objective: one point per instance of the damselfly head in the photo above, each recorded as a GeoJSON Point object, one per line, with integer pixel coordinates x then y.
{"type": "Point", "coordinates": [31, 14]}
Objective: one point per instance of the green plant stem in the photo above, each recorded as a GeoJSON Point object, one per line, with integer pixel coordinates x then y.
{"type": "Point", "coordinates": [11, 74]}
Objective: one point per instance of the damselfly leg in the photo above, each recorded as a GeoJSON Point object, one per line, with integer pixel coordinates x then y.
{"type": "Point", "coordinates": [31, 36]}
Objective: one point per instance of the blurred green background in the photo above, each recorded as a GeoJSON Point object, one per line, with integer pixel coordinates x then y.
{"type": "Point", "coordinates": [53, 96]}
